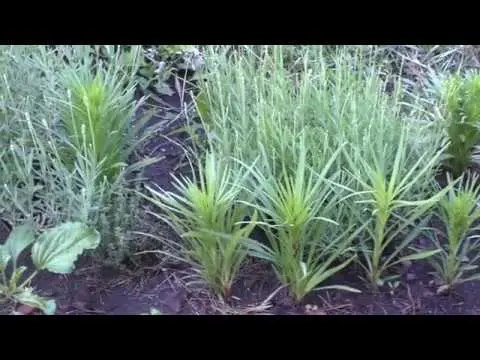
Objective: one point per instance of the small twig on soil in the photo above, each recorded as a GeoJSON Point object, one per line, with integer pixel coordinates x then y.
{"type": "Point", "coordinates": [262, 308]}
{"type": "Point", "coordinates": [414, 305]}
{"type": "Point", "coordinates": [85, 311]}
{"type": "Point", "coordinates": [328, 306]}
{"type": "Point", "coordinates": [198, 299]}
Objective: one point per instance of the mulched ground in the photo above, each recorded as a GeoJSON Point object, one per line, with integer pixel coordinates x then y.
{"type": "Point", "coordinates": [92, 290]}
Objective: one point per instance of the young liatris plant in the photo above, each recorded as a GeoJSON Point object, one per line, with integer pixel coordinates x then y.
{"type": "Point", "coordinates": [55, 250]}
{"type": "Point", "coordinates": [97, 114]}
{"type": "Point", "coordinates": [392, 212]}
{"type": "Point", "coordinates": [462, 121]}
{"type": "Point", "coordinates": [296, 210]}
{"type": "Point", "coordinates": [459, 211]}
{"type": "Point", "coordinates": [206, 213]}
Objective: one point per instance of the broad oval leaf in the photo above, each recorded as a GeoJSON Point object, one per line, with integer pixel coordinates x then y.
{"type": "Point", "coordinates": [4, 257]}
{"type": "Point", "coordinates": [21, 237]}
{"type": "Point", "coordinates": [27, 297]}
{"type": "Point", "coordinates": [57, 249]}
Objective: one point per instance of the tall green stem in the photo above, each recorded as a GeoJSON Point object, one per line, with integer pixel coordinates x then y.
{"type": "Point", "coordinates": [452, 259]}
{"type": "Point", "coordinates": [377, 248]}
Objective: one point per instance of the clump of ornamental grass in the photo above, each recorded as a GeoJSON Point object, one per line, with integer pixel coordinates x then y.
{"type": "Point", "coordinates": [206, 214]}
{"type": "Point", "coordinates": [254, 98]}
{"type": "Point", "coordinates": [260, 102]}
{"type": "Point", "coordinates": [296, 209]}
{"type": "Point", "coordinates": [98, 119]}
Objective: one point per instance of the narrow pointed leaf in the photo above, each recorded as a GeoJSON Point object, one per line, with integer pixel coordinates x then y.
{"type": "Point", "coordinates": [339, 287]}
{"type": "Point", "coordinates": [420, 255]}
{"type": "Point", "coordinates": [321, 276]}
{"type": "Point", "coordinates": [475, 277]}
{"type": "Point", "coordinates": [15, 278]}
{"type": "Point", "coordinates": [469, 267]}
{"type": "Point", "coordinates": [4, 257]}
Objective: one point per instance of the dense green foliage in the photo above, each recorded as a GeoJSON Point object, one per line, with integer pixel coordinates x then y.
{"type": "Point", "coordinates": [332, 152]}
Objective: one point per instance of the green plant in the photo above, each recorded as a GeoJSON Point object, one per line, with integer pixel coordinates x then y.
{"type": "Point", "coordinates": [252, 98]}
{"type": "Point", "coordinates": [462, 121]}
{"type": "Point", "coordinates": [55, 250]}
{"type": "Point", "coordinates": [390, 209]}
{"type": "Point", "coordinates": [206, 214]}
{"type": "Point", "coordinates": [52, 177]}
{"type": "Point", "coordinates": [295, 209]}
{"type": "Point", "coordinates": [261, 101]}
{"type": "Point", "coordinates": [459, 213]}
{"type": "Point", "coordinates": [97, 119]}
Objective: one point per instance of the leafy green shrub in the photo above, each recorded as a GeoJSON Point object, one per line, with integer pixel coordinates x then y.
{"type": "Point", "coordinates": [459, 213]}
{"type": "Point", "coordinates": [206, 213]}
{"type": "Point", "coordinates": [55, 250]}
{"type": "Point", "coordinates": [462, 121]}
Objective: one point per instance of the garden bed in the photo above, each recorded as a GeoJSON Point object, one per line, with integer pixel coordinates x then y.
{"type": "Point", "coordinates": [93, 291]}
{"type": "Point", "coordinates": [142, 282]}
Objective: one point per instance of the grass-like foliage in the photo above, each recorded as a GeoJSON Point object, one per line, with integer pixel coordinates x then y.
{"type": "Point", "coordinates": [459, 212]}
{"type": "Point", "coordinates": [68, 131]}
{"type": "Point", "coordinates": [206, 213]}
{"type": "Point", "coordinates": [394, 218]}
{"type": "Point", "coordinates": [97, 116]}
{"type": "Point", "coordinates": [322, 147]}
{"type": "Point", "coordinates": [262, 101]}
{"type": "Point", "coordinates": [462, 121]}
{"type": "Point", "coordinates": [297, 210]}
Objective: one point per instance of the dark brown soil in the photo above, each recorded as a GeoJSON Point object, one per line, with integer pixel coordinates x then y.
{"type": "Point", "coordinates": [94, 290]}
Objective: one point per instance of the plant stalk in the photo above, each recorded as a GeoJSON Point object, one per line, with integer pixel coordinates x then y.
{"type": "Point", "coordinates": [377, 251]}
{"type": "Point", "coordinates": [30, 278]}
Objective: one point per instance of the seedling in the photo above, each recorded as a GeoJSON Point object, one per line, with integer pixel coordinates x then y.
{"type": "Point", "coordinates": [393, 286]}
{"type": "Point", "coordinates": [457, 261]}
{"type": "Point", "coordinates": [392, 212]}
{"type": "Point", "coordinates": [205, 212]}
{"type": "Point", "coordinates": [97, 110]}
